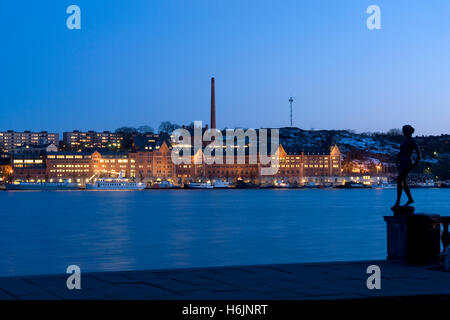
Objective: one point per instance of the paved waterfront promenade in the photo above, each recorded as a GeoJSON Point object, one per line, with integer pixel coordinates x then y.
{"type": "Point", "coordinates": [312, 281]}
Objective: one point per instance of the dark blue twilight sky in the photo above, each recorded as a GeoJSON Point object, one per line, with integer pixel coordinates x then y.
{"type": "Point", "coordinates": [141, 62]}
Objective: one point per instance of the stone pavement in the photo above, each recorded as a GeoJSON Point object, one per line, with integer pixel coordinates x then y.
{"type": "Point", "coordinates": [311, 281]}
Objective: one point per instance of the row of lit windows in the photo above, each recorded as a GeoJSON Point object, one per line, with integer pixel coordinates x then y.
{"type": "Point", "coordinates": [226, 172]}
{"type": "Point", "coordinates": [67, 170]}
{"type": "Point", "coordinates": [28, 161]}
{"type": "Point", "coordinates": [54, 162]}
{"type": "Point", "coordinates": [26, 135]}
{"type": "Point", "coordinates": [72, 166]}
{"type": "Point", "coordinates": [68, 157]}
{"type": "Point", "coordinates": [118, 160]}
{"type": "Point", "coordinates": [315, 166]}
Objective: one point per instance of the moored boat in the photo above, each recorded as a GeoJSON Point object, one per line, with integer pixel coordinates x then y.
{"type": "Point", "coordinates": [241, 184]}
{"type": "Point", "coordinates": [311, 184]}
{"type": "Point", "coordinates": [353, 185]}
{"type": "Point", "coordinates": [119, 183]}
{"type": "Point", "coordinates": [64, 185]}
{"type": "Point", "coordinates": [163, 185]}
{"type": "Point", "coordinates": [426, 184]}
{"type": "Point", "coordinates": [115, 184]}
{"type": "Point", "coordinates": [385, 186]}
{"type": "Point", "coordinates": [220, 184]}
{"type": "Point", "coordinates": [199, 185]}
{"type": "Point", "coordinates": [444, 184]}
{"type": "Point", "coordinates": [281, 184]}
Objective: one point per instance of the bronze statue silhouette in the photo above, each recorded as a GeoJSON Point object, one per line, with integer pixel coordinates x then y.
{"type": "Point", "coordinates": [405, 164]}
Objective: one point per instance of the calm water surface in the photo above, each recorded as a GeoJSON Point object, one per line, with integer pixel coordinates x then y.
{"type": "Point", "coordinates": [45, 231]}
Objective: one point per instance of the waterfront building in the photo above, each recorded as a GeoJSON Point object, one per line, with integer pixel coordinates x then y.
{"type": "Point", "coordinates": [78, 140]}
{"type": "Point", "coordinates": [199, 169]}
{"type": "Point", "coordinates": [155, 163]}
{"type": "Point", "coordinates": [233, 171]}
{"type": "Point", "coordinates": [290, 164]}
{"type": "Point", "coordinates": [82, 167]}
{"type": "Point", "coordinates": [76, 166]}
{"type": "Point", "coordinates": [10, 140]}
{"type": "Point", "coordinates": [143, 166]}
{"type": "Point", "coordinates": [322, 162]}
{"type": "Point", "coordinates": [295, 164]}
{"type": "Point", "coordinates": [111, 164]}
{"type": "Point", "coordinates": [85, 166]}
{"type": "Point", "coordinates": [28, 167]}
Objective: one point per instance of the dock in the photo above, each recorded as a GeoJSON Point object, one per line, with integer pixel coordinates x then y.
{"type": "Point", "coordinates": [305, 281]}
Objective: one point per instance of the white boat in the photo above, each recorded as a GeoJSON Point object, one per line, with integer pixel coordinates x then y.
{"type": "Point", "coordinates": [163, 185]}
{"type": "Point", "coordinates": [281, 184]}
{"type": "Point", "coordinates": [200, 185]}
{"type": "Point", "coordinates": [354, 185]}
{"type": "Point", "coordinates": [385, 186]}
{"type": "Point", "coordinates": [119, 183]}
{"type": "Point", "coordinates": [426, 184]}
{"type": "Point", "coordinates": [65, 185]}
{"type": "Point", "coordinates": [219, 184]}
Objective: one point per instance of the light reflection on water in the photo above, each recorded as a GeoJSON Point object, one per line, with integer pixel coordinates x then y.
{"type": "Point", "coordinates": [43, 232]}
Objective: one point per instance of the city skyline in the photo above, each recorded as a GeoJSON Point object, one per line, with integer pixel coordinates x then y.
{"type": "Point", "coordinates": [144, 63]}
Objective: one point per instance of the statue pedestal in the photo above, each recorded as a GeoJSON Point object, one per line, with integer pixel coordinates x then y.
{"type": "Point", "coordinates": [423, 241]}
{"type": "Point", "coordinates": [413, 238]}
{"type": "Point", "coordinates": [396, 232]}
{"type": "Point", "coordinates": [403, 211]}
{"type": "Point", "coordinates": [396, 237]}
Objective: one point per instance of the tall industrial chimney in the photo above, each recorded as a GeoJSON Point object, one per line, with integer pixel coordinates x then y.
{"type": "Point", "coordinates": [213, 105]}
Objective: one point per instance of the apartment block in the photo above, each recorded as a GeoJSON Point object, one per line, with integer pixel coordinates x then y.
{"type": "Point", "coordinates": [78, 140]}
{"type": "Point", "coordinates": [10, 140]}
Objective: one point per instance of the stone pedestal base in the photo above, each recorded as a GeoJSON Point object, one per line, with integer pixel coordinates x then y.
{"type": "Point", "coordinates": [403, 211]}
{"type": "Point", "coordinates": [396, 237]}
{"type": "Point", "coordinates": [414, 238]}
{"type": "Point", "coordinates": [423, 243]}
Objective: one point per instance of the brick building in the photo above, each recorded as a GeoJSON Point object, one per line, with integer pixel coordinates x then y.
{"type": "Point", "coordinates": [292, 165]}
{"type": "Point", "coordinates": [155, 163]}
{"type": "Point", "coordinates": [29, 167]}
{"type": "Point", "coordinates": [76, 166]}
